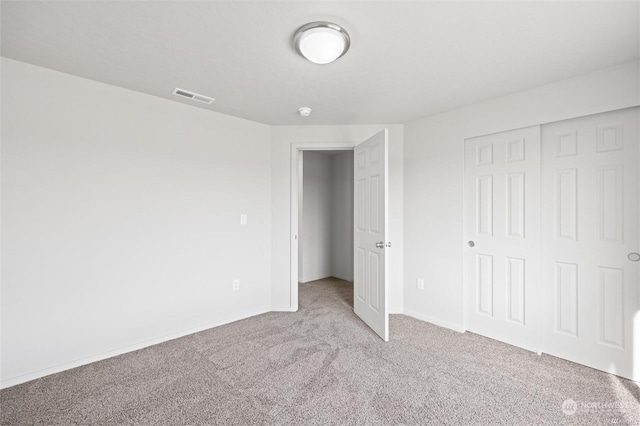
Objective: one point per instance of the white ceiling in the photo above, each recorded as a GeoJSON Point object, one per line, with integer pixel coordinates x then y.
{"type": "Point", "coordinates": [407, 59]}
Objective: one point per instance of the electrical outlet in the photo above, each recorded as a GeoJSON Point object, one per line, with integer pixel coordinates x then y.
{"type": "Point", "coordinates": [236, 285]}
{"type": "Point", "coordinates": [243, 219]}
{"type": "Point", "coordinates": [420, 284]}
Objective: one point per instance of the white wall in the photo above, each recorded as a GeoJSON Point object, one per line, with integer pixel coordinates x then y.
{"type": "Point", "coordinates": [120, 220]}
{"type": "Point", "coordinates": [433, 176]}
{"type": "Point", "coordinates": [120, 211]}
{"type": "Point", "coordinates": [281, 139]}
{"type": "Point", "coordinates": [315, 238]}
{"type": "Point", "coordinates": [342, 216]}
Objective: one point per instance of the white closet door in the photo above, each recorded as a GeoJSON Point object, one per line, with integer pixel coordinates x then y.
{"type": "Point", "coordinates": [590, 230]}
{"type": "Point", "coordinates": [502, 201]}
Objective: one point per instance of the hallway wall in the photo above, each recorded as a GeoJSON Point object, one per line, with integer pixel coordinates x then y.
{"type": "Point", "coordinates": [326, 224]}
{"type": "Point", "coordinates": [342, 216]}
{"type": "Point", "coordinates": [315, 228]}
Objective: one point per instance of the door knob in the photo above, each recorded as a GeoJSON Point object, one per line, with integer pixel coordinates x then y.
{"type": "Point", "coordinates": [634, 257]}
{"type": "Point", "coordinates": [471, 243]}
{"type": "Point", "coordinates": [388, 244]}
{"type": "Point", "coordinates": [380, 244]}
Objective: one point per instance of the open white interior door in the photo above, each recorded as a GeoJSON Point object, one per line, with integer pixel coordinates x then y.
{"type": "Point", "coordinates": [370, 229]}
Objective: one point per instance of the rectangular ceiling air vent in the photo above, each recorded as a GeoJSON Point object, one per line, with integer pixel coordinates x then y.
{"type": "Point", "coordinates": [193, 96]}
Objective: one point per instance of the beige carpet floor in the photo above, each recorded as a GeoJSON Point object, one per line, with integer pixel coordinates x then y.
{"type": "Point", "coordinates": [323, 366]}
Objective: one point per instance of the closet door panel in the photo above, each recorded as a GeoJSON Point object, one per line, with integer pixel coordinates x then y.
{"type": "Point", "coordinates": [590, 216]}
{"type": "Point", "coordinates": [502, 201]}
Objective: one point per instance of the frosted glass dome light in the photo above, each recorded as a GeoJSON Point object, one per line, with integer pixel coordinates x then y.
{"type": "Point", "coordinates": [321, 42]}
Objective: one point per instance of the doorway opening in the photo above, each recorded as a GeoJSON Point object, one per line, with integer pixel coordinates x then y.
{"type": "Point", "coordinates": [370, 225]}
{"type": "Point", "coordinates": [327, 231]}
{"type": "Point", "coordinates": [325, 216]}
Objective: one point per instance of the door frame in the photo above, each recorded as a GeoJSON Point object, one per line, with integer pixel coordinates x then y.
{"type": "Point", "coordinates": [297, 149]}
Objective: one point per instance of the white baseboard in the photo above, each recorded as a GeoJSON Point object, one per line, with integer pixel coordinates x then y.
{"type": "Point", "coordinates": [340, 277]}
{"type": "Point", "coordinates": [282, 308]}
{"type": "Point", "coordinates": [323, 277]}
{"type": "Point", "coordinates": [12, 381]}
{"type": "Point", "coordinates": [312, 278]}
{"type": "Point", "coordinates": [446, 324]}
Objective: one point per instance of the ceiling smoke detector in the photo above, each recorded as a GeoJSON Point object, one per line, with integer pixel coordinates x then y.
{"type": "Point", "coordinates": [321, 42]}
{"type": "Point", "coordinates": [304, 111]}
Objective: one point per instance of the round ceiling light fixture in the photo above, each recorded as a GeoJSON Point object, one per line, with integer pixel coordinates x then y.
{"type": "Point", "coordinates": [321, 42]}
